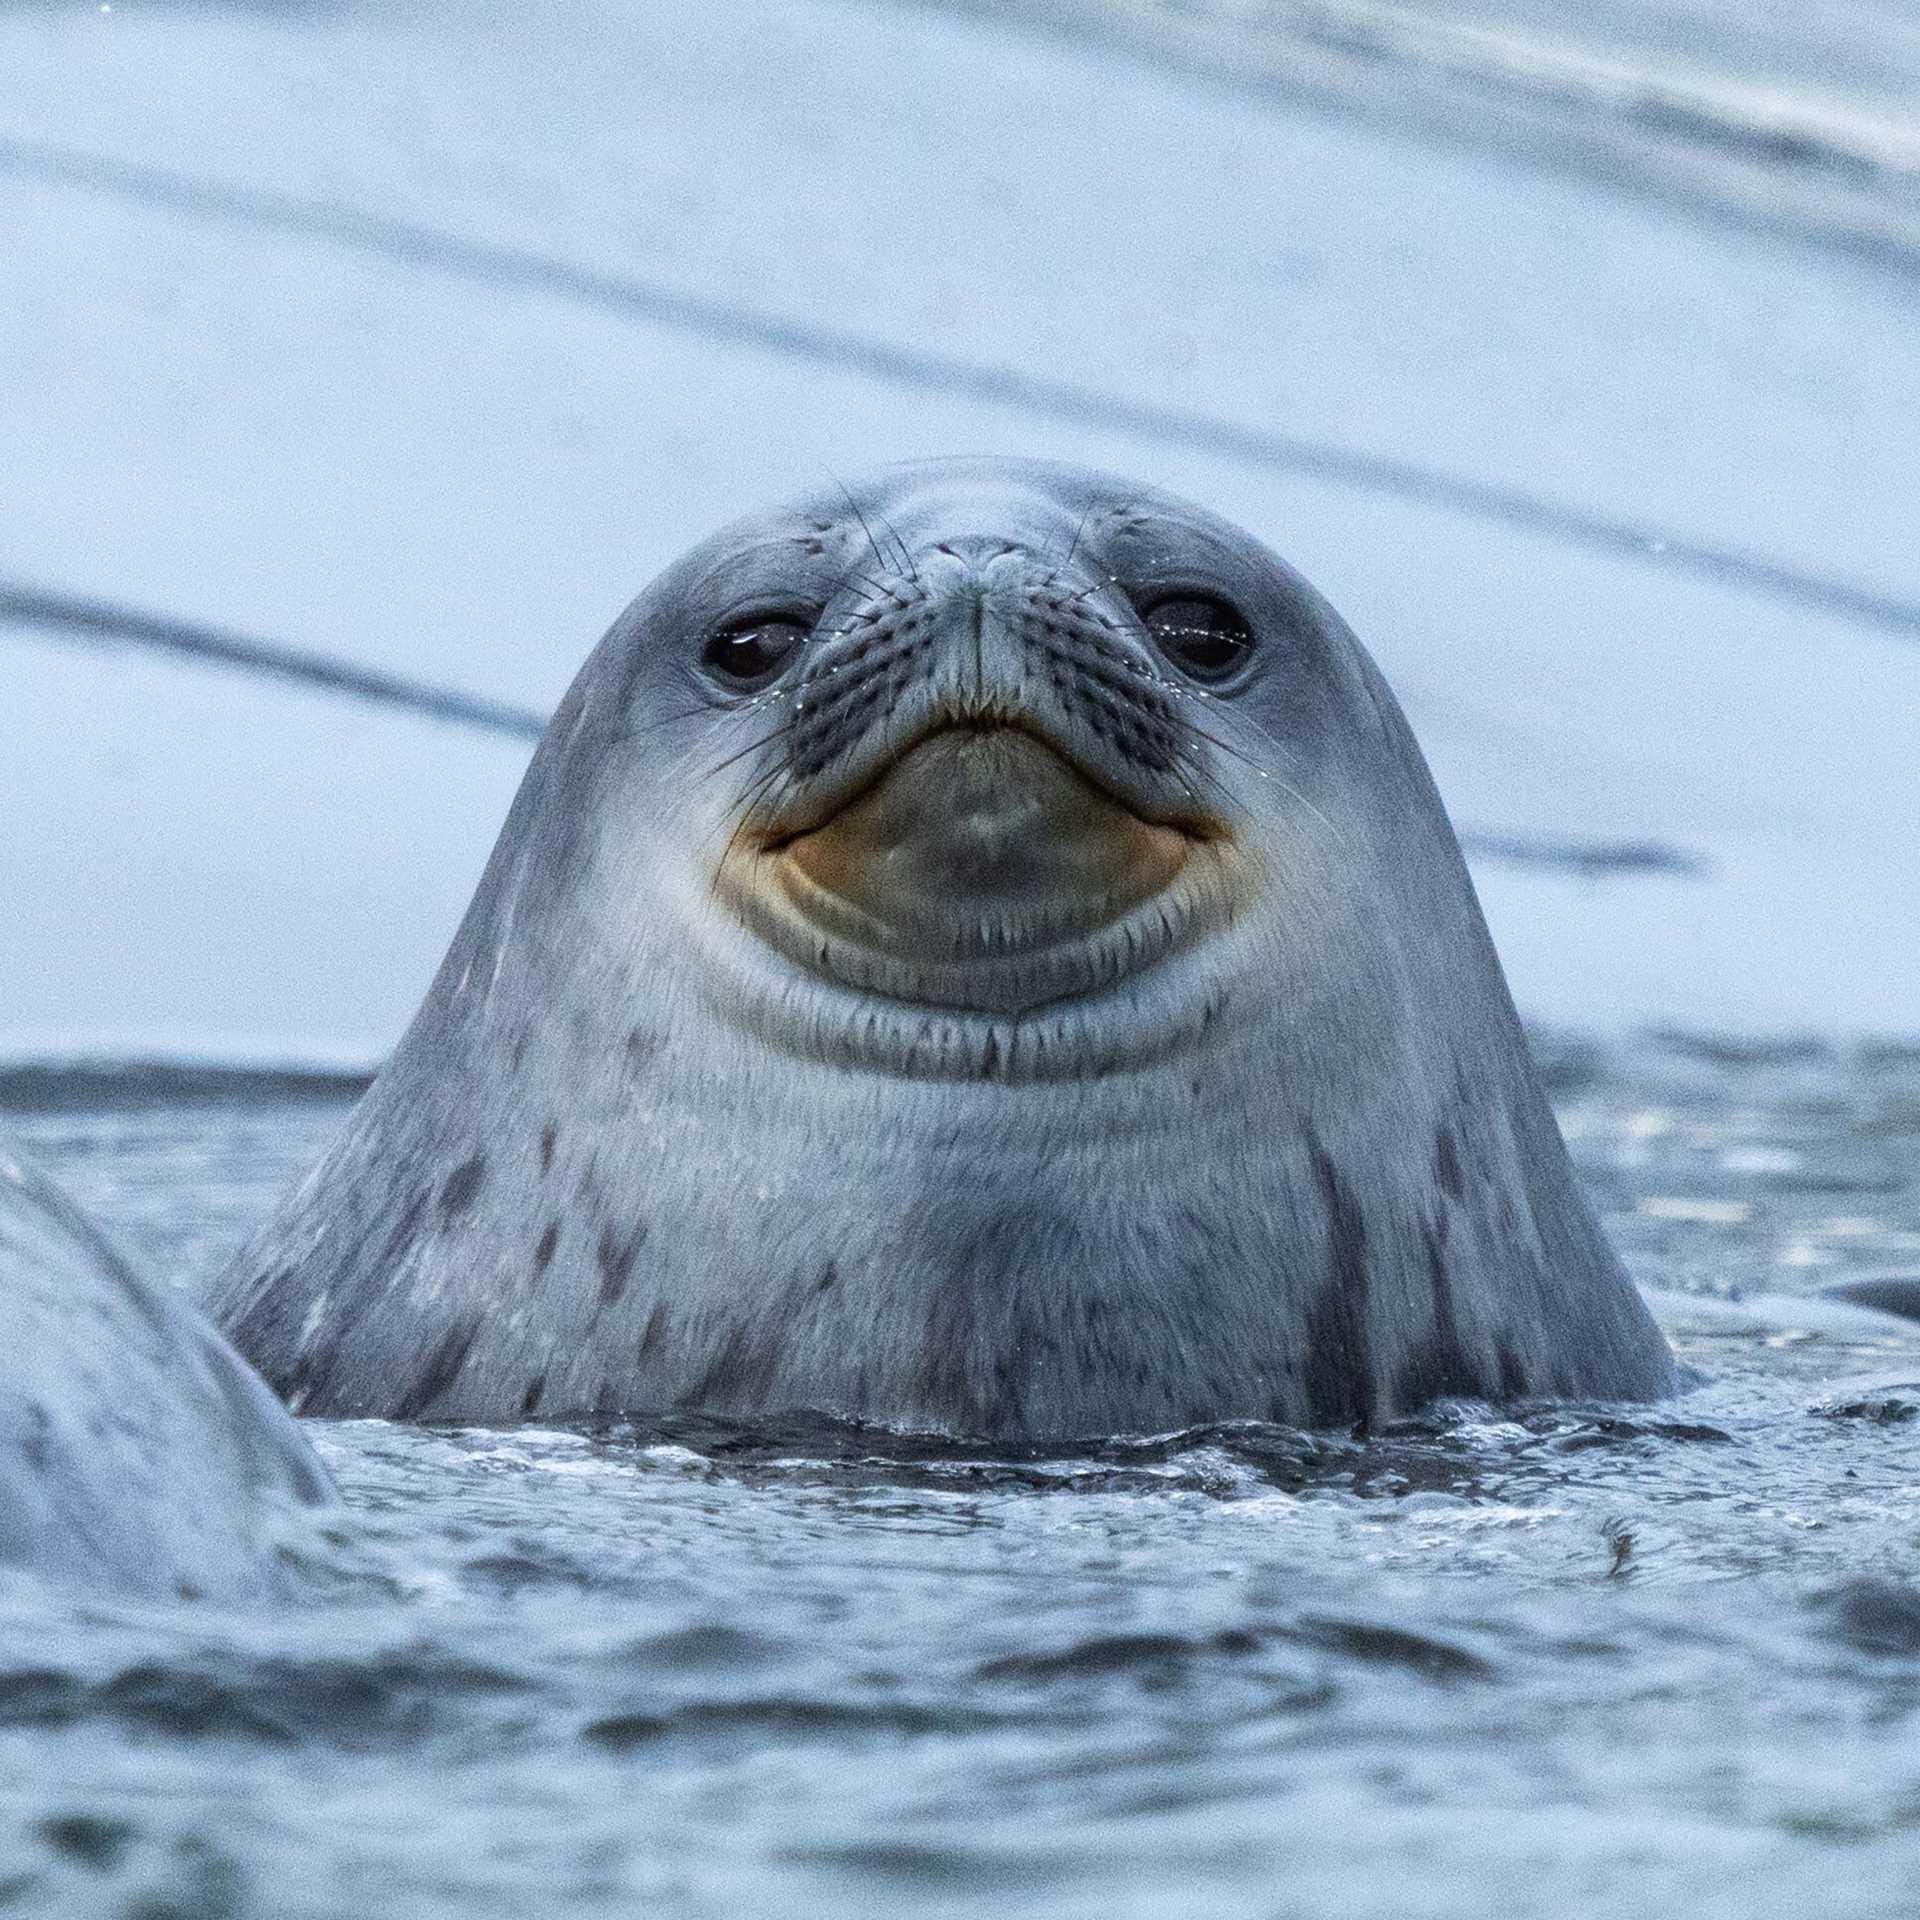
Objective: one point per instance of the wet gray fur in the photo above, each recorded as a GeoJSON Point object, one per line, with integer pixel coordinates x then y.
{"type": "Point", "coordinates": [628, 1159]}
{"type": "Point", "coordinates": [138, 1452]}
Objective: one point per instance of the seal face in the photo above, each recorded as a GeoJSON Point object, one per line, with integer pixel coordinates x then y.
{"type": "Point", "coordinates": [988, 800]}
{"type": "Point", "coordinates": [138, 1451]}
{"type": "Point", "coordinates": [984, 950]}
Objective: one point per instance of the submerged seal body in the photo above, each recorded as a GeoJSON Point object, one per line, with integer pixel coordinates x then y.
{"type": "Point", "coordinates": [981, 950]}
{"type": "Point", "coordinates": [138, 1451]}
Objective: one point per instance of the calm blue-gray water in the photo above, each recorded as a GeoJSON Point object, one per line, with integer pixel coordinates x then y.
{"type": "Point", "coordinates": [1556, 1660]}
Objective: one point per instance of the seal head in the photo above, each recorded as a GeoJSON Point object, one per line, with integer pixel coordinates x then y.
{"type": "Point", "coordinates": [980, 949]}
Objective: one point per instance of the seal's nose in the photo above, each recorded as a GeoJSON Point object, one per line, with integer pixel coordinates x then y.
{"type": "Point", "coordinates": [982, 631]}
{"type": "Point", "coordinates": [978, 551]}
{"type": "Point", "coordinates": [985, 671]}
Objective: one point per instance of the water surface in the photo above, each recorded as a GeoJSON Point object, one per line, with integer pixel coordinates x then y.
{"type": "Point", "coordinates": [1547, 1660]}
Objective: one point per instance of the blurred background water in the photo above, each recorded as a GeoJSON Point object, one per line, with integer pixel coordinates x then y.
{"type": "Point", "coordinates": [358, 361]}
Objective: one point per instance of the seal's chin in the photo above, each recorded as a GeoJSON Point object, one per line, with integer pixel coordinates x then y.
{"type": "Point", "coordinates": [982, 870]}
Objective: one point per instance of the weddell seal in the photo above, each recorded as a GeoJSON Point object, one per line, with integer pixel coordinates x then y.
{"type": "Point", "coordinates": [981, 950]}
{"type": "Point", "coordinates": [138, 1451]}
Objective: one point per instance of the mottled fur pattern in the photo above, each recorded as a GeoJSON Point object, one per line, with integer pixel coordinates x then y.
{"type": "Point", "coordinates": [626, 1160]}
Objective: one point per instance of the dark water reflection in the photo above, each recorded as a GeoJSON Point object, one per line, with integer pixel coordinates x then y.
{"type": "Point", "coordinates": [1560, 1659]}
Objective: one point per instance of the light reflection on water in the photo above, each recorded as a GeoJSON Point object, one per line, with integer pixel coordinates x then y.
{"type": "Point", "coordinates": [1565, 1660]}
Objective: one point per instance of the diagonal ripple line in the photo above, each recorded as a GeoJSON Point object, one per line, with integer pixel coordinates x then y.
{"type": "Point", "coordinates": [98, 621]}
{"type": "Point", "coordinates": [1583, 858]}
{"type": "Point", "coordinates": [822, 345]}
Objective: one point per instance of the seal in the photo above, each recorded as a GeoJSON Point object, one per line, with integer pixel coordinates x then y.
{"type": "Point", "coordinates": [138, 1451]}
{"type": "Point", "coordinates": [981, 950]}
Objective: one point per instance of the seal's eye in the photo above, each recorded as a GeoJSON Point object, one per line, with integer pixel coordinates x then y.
{"type": "Point", "coordinates": [1205, 638]}
{"type": "Point", "coordinates": [752, 653]}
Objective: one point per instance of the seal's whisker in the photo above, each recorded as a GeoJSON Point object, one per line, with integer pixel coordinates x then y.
{"type": "Point", "coordinates": [847, 579]}
{"type": "Point", "coordinates": [755, 798]}
{"type": "Point", "coordinates": [866, 580]}
{"type": "Point", "coordinates": [1262, 769]}
{"type": "Point", "coordinates": [1288, 788]}
{"type": "Point", "coordinates": [752, 747]}
{"type": "Point", "coordinates": [1223, 798]}
{"type": "Point", "coordinates": [670, 716]}
{"type": "Point", "coordinates": [1086, 592]}
{"type": "Point", "coordinates": [1201, 703]}
{"type": "Point", "coordinates": [757, 795]}
{"type": "Point", "coordinates": [1225, 746]}
{"type": "Point", "coordinates": [906, 552]}
{"type": "Point", "coordinates": [735, 821]}
{"type": "Point", "coordinates": [1073, 546]}
{"type": "Point", "coordinates": [866, 527]}
{"type": "Point", "coordinates": [1193, 793]}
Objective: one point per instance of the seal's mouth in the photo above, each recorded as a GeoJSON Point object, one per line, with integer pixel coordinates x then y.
{"type": "Point", "coordinates": [980, 868]}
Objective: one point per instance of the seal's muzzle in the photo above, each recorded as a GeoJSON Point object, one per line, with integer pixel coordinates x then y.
{"type": "Point", "coordinates": [979, 842]}
{"type": "Point", "coordinates": [989, 798]}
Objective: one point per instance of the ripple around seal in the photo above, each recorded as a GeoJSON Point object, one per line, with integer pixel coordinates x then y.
{"type": "Point", "coordinates": [1879, 1617]}
{"type": "Point", "coordinates": [1540, 1660]}
{"type": "Point", "coordinates": [395, 1699]}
